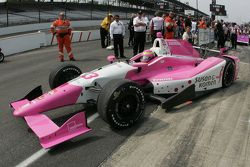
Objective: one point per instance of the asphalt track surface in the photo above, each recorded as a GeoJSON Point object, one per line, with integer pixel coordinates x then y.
{"type": "Point", "coordinates": [212, 131]}
{"type": "Point", "coordinates": [21, 73]}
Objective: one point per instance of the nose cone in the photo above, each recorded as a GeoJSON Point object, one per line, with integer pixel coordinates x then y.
{"type": "Point", "coordinates": [64, 95]}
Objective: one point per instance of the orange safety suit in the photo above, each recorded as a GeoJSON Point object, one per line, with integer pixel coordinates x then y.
{"type": "Point", "coordinates": [62, 29]}
{"type": "Point", "coordinates": [170, 25]}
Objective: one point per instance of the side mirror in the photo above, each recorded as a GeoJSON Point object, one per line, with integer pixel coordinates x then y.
{"type": "Point", "coordinates": [222, 51]}
{"type": "Point", "coordinates": [111, 59]}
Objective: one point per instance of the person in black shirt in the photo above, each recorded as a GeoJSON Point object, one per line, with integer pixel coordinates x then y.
{"type": "Point", "coordinates": [220, 33]}
{"type": "Point", "coordinates": [131, 30]}
{"type": "Point", "coordinates": [188, 22]}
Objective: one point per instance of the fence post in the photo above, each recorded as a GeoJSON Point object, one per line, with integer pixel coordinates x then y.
{"type": "Point", "coordinates": [91, 10]}
{"type": "Point", "coordinates": [7, 13]}
{"type": "Point", "coordinates": [39, 12]}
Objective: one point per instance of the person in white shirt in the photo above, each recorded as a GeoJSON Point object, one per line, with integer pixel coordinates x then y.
{"type": "Point", "coordinates": [140, 33]}
{"type": "Point", "coordinates": [187, 35]}
{"type": "Point", "coordinates": [156, 25]}
{"type": "Point", "coordinates": [117, 32]}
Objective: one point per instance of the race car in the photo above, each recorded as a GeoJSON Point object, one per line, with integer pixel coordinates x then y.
{"type": "Point", "coordinates": [1, 56]}
{"type": "Point", "coordinates": [172, 72]}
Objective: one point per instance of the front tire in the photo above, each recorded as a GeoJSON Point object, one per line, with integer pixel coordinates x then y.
{"type": "Point", "coordinates": [228, 74]}
{"type": "Point", "coordinates": [121, 103]}
{"type": "Point", "coordinates": [63, 74]}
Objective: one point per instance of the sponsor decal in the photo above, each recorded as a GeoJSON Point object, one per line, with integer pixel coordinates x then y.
{"type": "Point", "coordinates": [205, 81]}
{"type": "Point", "coordinates": [25, 105]}
{"type": "Point", "coordinates": [162, 79]}
{"type": "Point", "coordinates": [90, 75]}
{"type": "Point", "coordinates": [72, 126]}
{"type": "Point", "coordinates": [220, 75]}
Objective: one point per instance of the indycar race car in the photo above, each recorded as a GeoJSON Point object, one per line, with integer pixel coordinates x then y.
{"type": "Point", "coordinates": [1, 56]}
{"type": "Point", "coordinates": [172, 72]}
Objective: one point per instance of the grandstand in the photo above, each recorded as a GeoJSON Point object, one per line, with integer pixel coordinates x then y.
{"type": "Point", "coordinates": [18, 13]}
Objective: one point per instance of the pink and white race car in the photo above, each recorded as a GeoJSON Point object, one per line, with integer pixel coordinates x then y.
{"type": "Point", "coordinates": [171, 72]}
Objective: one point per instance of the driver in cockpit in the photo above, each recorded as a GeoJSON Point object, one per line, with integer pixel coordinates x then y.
{"type": "Point", "coordinates": [147, 55]}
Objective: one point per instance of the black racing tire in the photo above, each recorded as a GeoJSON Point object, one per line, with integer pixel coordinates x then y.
{"type": "Point", "coordinates": [63, 74]}
{"type": "Point", "coordinates": [228, 74]}
{"type": "Point", "coordinates": [1, 57]}
{"type": "Point", "coordinates": [121, 103]}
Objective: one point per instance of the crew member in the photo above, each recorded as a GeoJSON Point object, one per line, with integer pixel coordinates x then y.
{"type": "Point", "coordinates": [170, 25]}
{"type": "Point", "coordinates": [187, 35]}
{"type": "Point", "coordinates": [104, 29]}
{"type": "Point", "coordinates": [117, 32]}
{"type": "Point", "coordinates": [131, 30]}
{"type": "Point", "coordinates": [62, 29]}
{"type": "Point", "coordinates": [156, 25]}
{"type": "Point", "coordinates": [234, 32]}
{"type": "Point", "coordinates": [140, 33]}
{"type": "Point", "coordinates": [202, 23]}
{"type": "Point", "coordinates": [188, 22]}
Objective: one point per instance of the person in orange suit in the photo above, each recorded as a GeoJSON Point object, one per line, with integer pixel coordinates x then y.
{"type": "Point", "coordinates": [62, 29]}
{"type": "Point", "coordinates": [202, 24]}
{"type": "Point", "coordinates": [170, 26]}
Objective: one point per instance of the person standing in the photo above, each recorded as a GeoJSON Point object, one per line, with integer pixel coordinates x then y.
{"type": "Point", "coordinates": [104, 29]}
{"type": "Point", "coordinates": [202, 23]}
{"type": "Point", "coordinates": [220, 34]}
{"type": "Point", "coordinates": [140, 33]}
{"type": "Point", "coordinates": [62, 29]}
{"type": "Point", "coordinates": [225, 29]}
{"type": "Point", "coordinates": [187, 35]}
{"type": "Point", "coordinates": [170, 26]}
{"type": "Point", "coordinates": [117, 32]}
{"type": "Point", "coordinates": [156, 25]}
{"type": "Point", "coordinates": [188, 22]}
{"type": "Point", "coordinates": [234, 32]}
{"type": "Point", "coordinates": [131, 30]}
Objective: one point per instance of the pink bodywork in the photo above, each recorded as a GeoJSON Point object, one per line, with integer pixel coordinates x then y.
{"type": "Point", "coordinates": [50, 134]}
{"type": "Point", "coordinates": [182, 68]}
{"type": "Point", "coordinates": [64, 95]}
{"type": "Point", "coordinates": [184, 61]}
{"type": "Point", "coordinates": [47, 131]}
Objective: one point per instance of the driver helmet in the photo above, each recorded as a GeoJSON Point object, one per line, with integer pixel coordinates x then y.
{"type": "Point", "coordinates": [147, 55]}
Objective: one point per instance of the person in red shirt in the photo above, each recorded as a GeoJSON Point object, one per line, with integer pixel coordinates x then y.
{"type": "Point", "coordinates": [170, 26]}
{"type": "Point", "coordinates": [62, 29]}
{"type": "Point", "coordinates": [202, 23]}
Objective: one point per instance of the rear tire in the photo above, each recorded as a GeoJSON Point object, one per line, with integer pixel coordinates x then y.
{"type": "Point", "coordinates": [63, 74]}
{"type": "Point", "coordinates": [1, 57]}
{"type": "Point", "coordinates": [121, 103]}
{"type": "Point", "coordinates": [228, 74]}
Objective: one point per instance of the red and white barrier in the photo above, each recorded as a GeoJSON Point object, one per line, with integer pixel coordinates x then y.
{"type": "Point", "coordinates": [76, 36]}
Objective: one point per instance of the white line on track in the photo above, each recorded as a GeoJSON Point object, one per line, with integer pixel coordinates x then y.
{"type": "Point", "coordinates": [244, 63]}
{"type": "Point", "coordinates": [43, 151]}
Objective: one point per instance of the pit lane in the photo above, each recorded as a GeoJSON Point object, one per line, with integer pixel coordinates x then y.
{"type": "Point", "coordinates": [176, 130]}
{"type": "Point", "coordinates": [21, 73]}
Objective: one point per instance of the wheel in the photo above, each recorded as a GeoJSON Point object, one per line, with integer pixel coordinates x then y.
{"type": "Point", "coordinates": [121, 103]}
{"type": "Point", "coordinates": [228, 74]}
{"type": "Point", "coordinates": [63, 74]}
{"type": "Point", "coordinates": [1, 57]}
